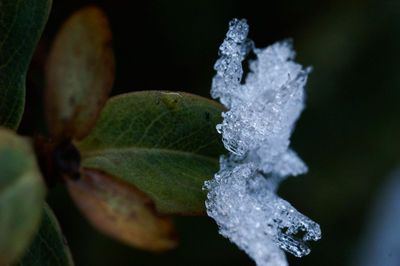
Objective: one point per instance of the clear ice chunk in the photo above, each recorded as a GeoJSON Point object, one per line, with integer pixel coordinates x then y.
{"type": "Point", "coordinates": [256, 131]}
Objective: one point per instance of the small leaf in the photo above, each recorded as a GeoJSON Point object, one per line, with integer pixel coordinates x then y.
{"type": "Point", "coordinates": [164, 143]}
{"type": "Point", "coordinates": [22, 192]}
{"type": "Point", "coordinates": [21, 24]}
{"type": "Point", "coordinates": [80, 74]}
{"type": "Point", "coordinates": [49, 246]}
{"type": "Point", "coordinates": [120, 210]}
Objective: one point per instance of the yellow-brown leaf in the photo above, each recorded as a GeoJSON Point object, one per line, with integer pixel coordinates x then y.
{"type": "Point", "coordinates": [120, 210]}
{"type": "Point", "coordinates": [79, 74]}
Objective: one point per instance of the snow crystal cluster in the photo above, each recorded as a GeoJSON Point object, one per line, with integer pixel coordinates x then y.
{"type": "Point", "coordinates": [256, 130]}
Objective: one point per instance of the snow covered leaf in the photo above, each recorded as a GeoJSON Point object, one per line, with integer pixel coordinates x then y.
{"type": "Point", "coordinates": [256, 130]}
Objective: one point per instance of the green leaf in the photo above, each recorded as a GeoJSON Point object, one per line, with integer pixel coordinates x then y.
{"type": "Point", "coordinates": [80, 74]}
{"type": "Point", "coordinates": [21, 24]}
{"type": "Point", "coordinates": [49, 246]}
{"type": "Point", "coordinates": [120, 210]}
{"type": "Point", "coordinates": [22, 192]}
{"type": "Point", "coordinates": [164, 143]}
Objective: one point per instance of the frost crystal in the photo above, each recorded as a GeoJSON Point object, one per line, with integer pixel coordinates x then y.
{"type": "Point", "coordinates": [256, 130]}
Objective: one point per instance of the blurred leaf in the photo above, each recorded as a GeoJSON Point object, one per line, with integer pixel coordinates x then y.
{"type": "Point", "coordinates": [49, 246]}
{"type": "Point", "coordinates": [22, 192]}
{"type": "Point", "coordinates": [120, 210]}
{"type": "Point", "coordinates": [22, 23]}
{"type": "Point", "coordinates": [80, 74]}
{"type": "Point", "coordinates": [164, 143]}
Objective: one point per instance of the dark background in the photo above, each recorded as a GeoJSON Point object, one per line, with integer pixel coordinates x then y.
{"type": "Point", "coordinates": [348, 134]}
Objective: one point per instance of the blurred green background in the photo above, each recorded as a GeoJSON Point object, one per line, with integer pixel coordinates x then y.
{"type": "Point", "coordinates": [348, 134]}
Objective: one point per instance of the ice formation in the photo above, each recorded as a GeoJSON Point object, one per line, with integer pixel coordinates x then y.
{"type": "Point", "coordinates": [256, 130]}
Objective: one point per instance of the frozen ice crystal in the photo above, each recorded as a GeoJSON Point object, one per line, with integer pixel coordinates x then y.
{"type": "Point", "coordinates": [256, 130]}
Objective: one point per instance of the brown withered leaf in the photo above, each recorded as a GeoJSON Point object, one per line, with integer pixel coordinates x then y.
{"type": "Point", "coordinates": [120, 210]}
{"type": "Point", "coordinates": [79, 74]}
